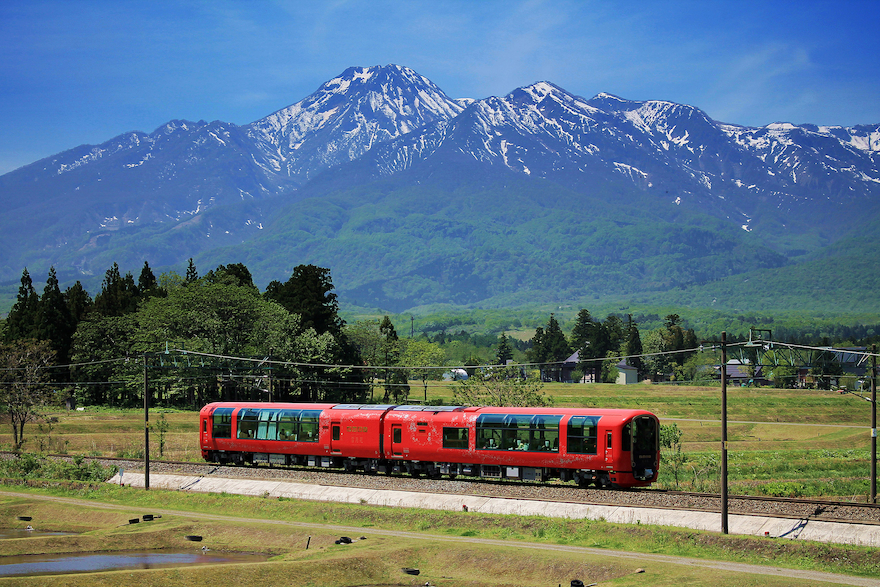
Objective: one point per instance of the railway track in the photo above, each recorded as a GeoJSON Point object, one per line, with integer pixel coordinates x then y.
{"type": "Point", "coordinates": [794, 508]}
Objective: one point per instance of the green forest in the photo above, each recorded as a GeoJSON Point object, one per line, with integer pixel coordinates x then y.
{"type": "Point", "coordinates": [218, 337]}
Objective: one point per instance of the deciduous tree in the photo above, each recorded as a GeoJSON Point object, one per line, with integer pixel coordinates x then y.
{"type": "Point", "coordinates": [502, 387]}
{"type": "Point", "coordinates": [422, 359]}
{"type": "Point", "coordinates": [23, 382]}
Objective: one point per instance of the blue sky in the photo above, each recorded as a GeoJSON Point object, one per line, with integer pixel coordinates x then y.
{"type": "Point", "coordinates": [84, 71]}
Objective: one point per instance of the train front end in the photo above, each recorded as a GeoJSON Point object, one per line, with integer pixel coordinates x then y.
{"type": "Point", "coordinates": [645, 448]}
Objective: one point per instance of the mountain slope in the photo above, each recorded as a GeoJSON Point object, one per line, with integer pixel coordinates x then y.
{"type": "Point", "coordinates": [346, 117]}
{"type": "Point", "coordinates": [414, 198]}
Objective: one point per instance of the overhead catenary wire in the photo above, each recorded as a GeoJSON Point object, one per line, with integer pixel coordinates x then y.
{"type": "Point", "coordinates": [264, 361]}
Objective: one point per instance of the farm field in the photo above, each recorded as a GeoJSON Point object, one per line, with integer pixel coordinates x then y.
{"type": "Point", "coordinates": [447, 548]}
{"type": "Point", "coordinates": [782, 441]}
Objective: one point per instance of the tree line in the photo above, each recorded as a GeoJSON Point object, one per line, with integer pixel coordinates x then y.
{"type": "Point", "coordinates": [98, 344]}
{"type": "Point", "coordinates": [601, 345]}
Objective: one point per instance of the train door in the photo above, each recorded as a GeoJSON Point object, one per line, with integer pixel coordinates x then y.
{"type": "Point", "coordinates": [206, 438]}
{"type": "Point", "coordinates": [335, 436]}
{"type": "Point", "coordinates": [396, 440]}
{"type": "Point", "coordinates": [609, 449]}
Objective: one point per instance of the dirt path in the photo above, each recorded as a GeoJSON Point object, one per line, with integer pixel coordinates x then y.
{"type": "Point", "coordinates": [641, 558]}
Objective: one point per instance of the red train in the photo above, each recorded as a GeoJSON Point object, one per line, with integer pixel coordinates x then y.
{"type": "Point", "coordinates": [606, 448]}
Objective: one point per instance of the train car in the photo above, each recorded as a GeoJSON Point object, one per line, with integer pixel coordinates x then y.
{"type": "Point", "coordinates": [275, 433]}
{"type": "Point", "coordinates": [606, 448]}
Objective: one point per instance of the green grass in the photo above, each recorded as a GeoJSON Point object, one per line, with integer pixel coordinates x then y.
{"type": "Point", "coordinates": [502, 554]}
{"type": "Point", "coordinates": [816, 440]}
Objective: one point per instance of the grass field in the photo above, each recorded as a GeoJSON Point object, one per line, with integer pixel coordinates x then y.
{"type": "Point", "coordinates": [781, 441]}
{"type": "Point", "coordinates": [448, 548]}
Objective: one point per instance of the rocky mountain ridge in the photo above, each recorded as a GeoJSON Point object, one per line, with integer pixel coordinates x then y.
{"type": "Point", "coordinates": [200, 189]}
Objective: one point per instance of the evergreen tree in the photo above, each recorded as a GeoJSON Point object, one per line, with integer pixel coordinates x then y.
{"type": "Point", "coordinates": [633, 346]}
{"type": "Point", "coordinates": [236, 273]}
{"type": "Point", "coordinates": [309, 293]}
{"type": "Point", "coordinates": [78, 301]}
{"type": "Point", "coordinates": [549, 349]}
{"type": "Point", "coordinates": [53, 319]}
{"type": "Point", "coordinates": [537, 354]}
{"type": "Point", "coordinates": [147, 284]}
{"type": "Point", "coordinates": [584, 331]}
{"type": "Point", "coordinates": [22, 319]}
{"type": "Point", "coordinates": [396, 382]}
{"type": "Point", "coordinates": [119, 295]}
{"type": "Point", "coordinates": [504, 353]}
{"type": "Point", "coordinates": [191, 274]}
{"type": "Point", "coordinates": [555, 343]}
{"type": "Point", "coordinates": [677, 338]}
{"type": "Point", "coordinates": [584, 338]}
{"type": "Point", "coordinates": [615, 333]}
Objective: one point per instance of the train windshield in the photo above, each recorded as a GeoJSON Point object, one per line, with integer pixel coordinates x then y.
{"type": "Point", "coordinates": [645, 436]}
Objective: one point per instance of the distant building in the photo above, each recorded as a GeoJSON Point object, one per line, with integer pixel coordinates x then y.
{"type": "Point", "coordinates": [626, 374]}
{"type": "Point", "coordinates": [570, 365]}
{"type": "Point", "coordinates": [740, 373]}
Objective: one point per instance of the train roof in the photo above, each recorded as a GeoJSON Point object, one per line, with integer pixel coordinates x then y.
{"type": "Point", "coordinates": [606, 412]}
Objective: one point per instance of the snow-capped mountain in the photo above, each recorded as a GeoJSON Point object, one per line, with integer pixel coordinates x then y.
{"type": "Point", "coordinates": [780, 191]}
{"type": "Point", "coordinates": [348, 116]}
{"type": "Point", "coordinates": [674, 151]}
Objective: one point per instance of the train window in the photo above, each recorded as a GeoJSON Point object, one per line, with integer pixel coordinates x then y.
{"type": "Point", "coordinates": [308, 426]}
{"type": "Point", "coordinates": [455, 437]}
{"type": "Point", "coordinates": [267, 427]}
{"type": "Point", "coordinates": [295, 425]}
{"type": "Point", "coordinates": [646, 435]}
{"type": "Point", "coordinates": [626, 440]}
{"type": "Point", "coordinates": [248, 422]}
{"type": "Point", "coordinates": [287, 424]}
{"type": "Point", "coordinates": [335, 429]}
{"type": "Point", "coordinates": [583, 435]}
{"type": "Point", "coordinates": [489, 431]}
{"type": "Point", "coordinates": [518, 432]}
{"type": "Point", "coordinates": [397, 435]}
{"type": "Point", "coordinates": [544, 433]}
{"type": "Point", "coordinates": [221, 426]}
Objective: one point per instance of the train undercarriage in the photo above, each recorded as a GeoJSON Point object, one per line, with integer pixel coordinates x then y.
{"type": "Point", "coordinates": [433, 470]}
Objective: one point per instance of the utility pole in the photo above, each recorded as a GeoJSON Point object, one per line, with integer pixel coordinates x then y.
{"type": "Point", "coordinates": [146, 427]}
{"type": "Point", "coordinates": [873, 423]}
{"type": "Point", "coordinates": [724, 432]}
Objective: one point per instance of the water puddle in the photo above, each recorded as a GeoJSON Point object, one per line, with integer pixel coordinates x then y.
{"type": "Point", "coordinates": [62, 564]}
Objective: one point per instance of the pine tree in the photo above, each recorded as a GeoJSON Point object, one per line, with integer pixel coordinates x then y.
{"type": "Point", "coordinates": [22, 319]}
{"type": "Point", "coordinates": [557, 346]}
{"type": "Point", "coordinates": [236, 273]}
{"type": "Point", "coordinates": [583, 332]}
{"type": "Point", "coordinates": [504, 353]}
{"type": "Point", "coordinates": [309, 293]}
{"type": "Point", "coordinates": [78, 301]}
{"type": "Point", "coordinates": [147, 284]}
{"type": "Point", "coordinates": [633, 346]}
{"type": "Point", "coordinates": [550, 346]}
{"type": "Point", "coordinates": [119, 295]}
{"type": "Point", "coordinates": [53, 319]}
{"type": "Point", "coordinates": [191, 273]}
{"type": "Point", "coordinates": [537, 354]}
{"type": "Point", "coordinates": [396, 382]}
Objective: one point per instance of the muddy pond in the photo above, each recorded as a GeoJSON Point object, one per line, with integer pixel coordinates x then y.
{"type": "Point", "coordinates": [62, 564]}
